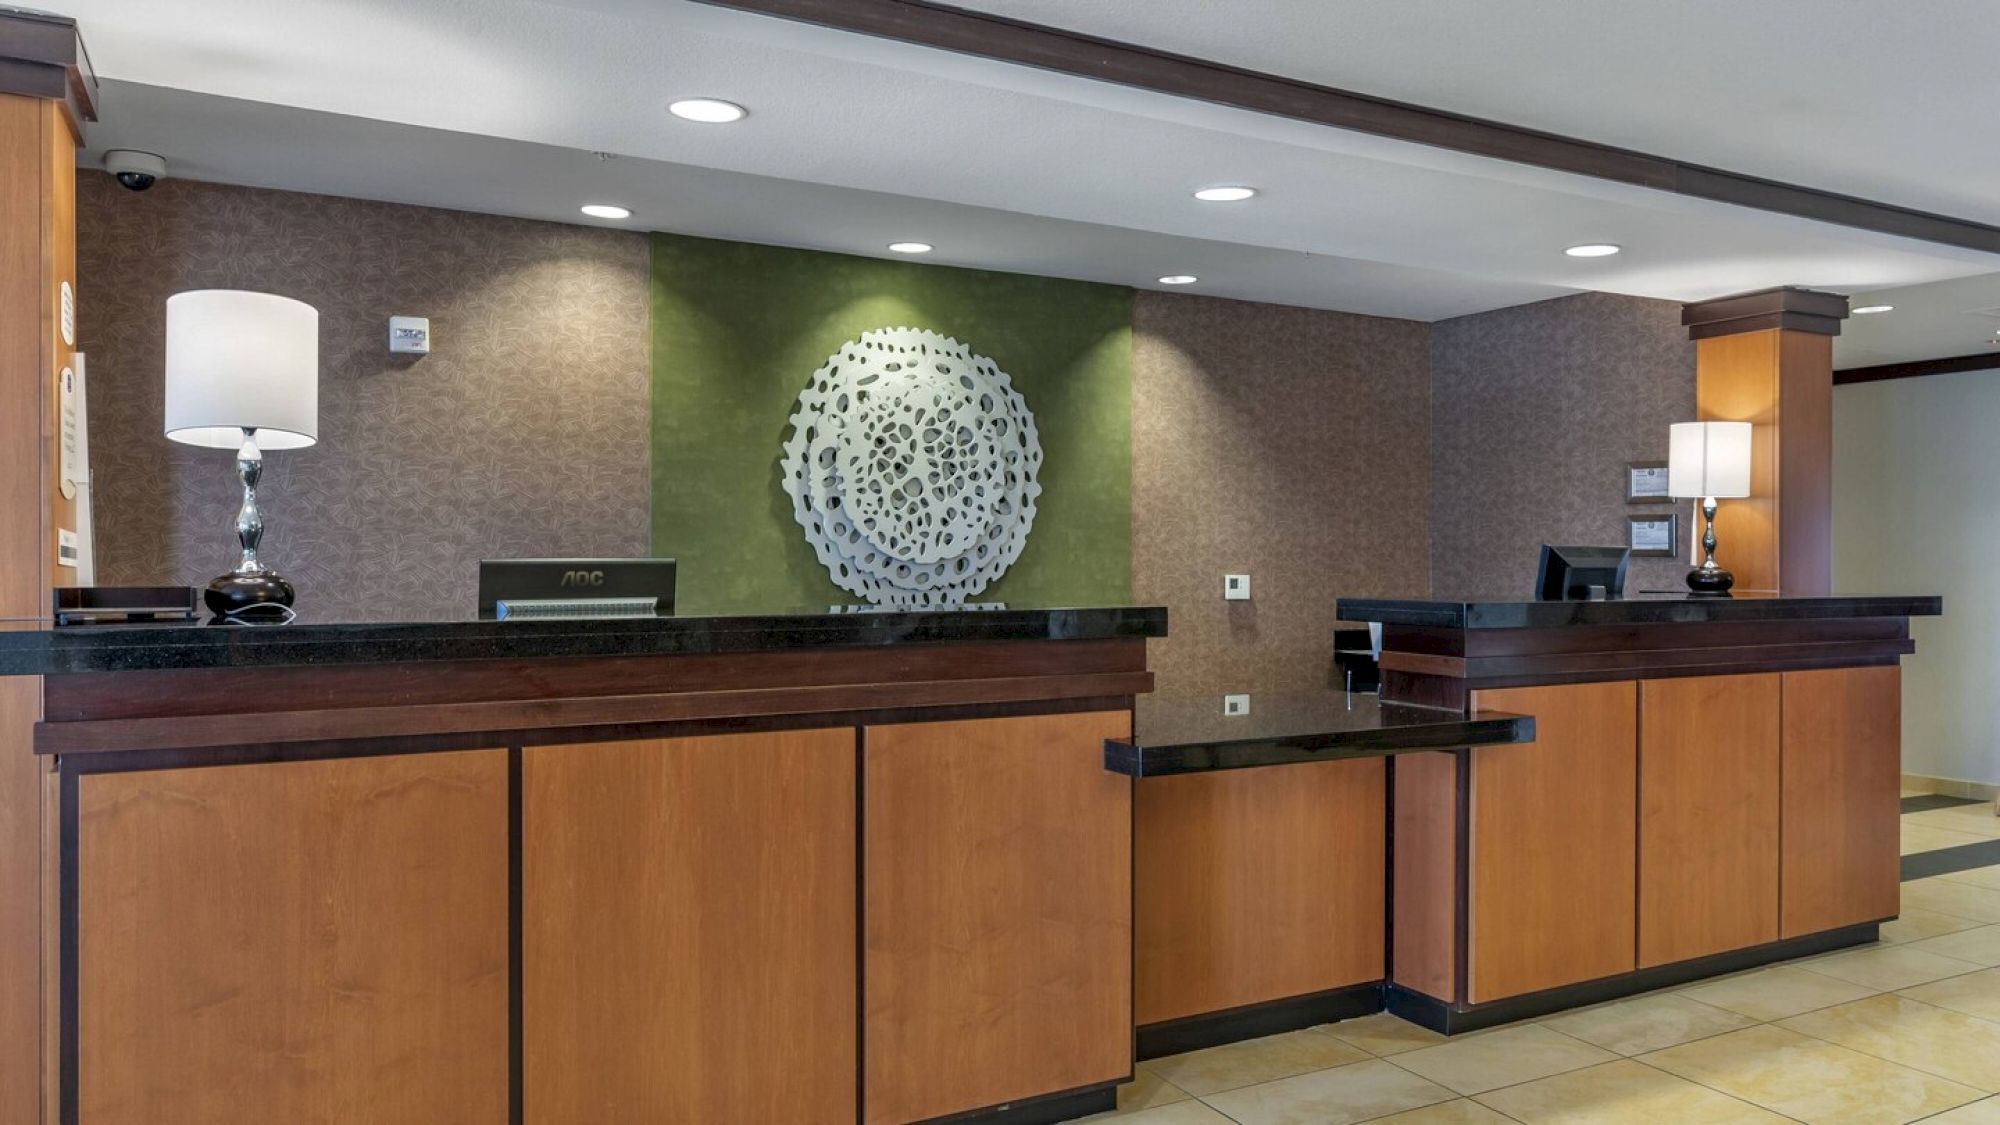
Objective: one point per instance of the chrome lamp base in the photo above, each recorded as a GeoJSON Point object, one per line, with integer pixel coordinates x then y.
{"type": "Point", "coordinates": [252, 591]}
{"type": "Point", "coordinates": [1709, 580]}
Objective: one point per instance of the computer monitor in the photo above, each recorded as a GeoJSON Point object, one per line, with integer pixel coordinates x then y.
{"type": "Point", "coordinates": [1581, 573]}
{"type": "Point", "coordinates": [542, 589]}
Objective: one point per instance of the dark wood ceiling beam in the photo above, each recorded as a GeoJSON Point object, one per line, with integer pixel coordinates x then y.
{"type": "Point", "coordinates": [1911, 369]}
{"type": "Point", "coordinates": [994, 37]}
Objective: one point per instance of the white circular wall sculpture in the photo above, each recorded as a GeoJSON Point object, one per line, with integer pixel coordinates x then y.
{"type": "Point", "coordinates": [911, 466]}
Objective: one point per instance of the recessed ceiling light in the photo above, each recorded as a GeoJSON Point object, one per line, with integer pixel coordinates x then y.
{"type": "Point", "coordinates": [911, 247]}
{"type": "Point", "coordinates": [607, 211]}
{"type": "Point", "coordinates": [1866, 309]}
{"type": "Point", "coordinates": [1179, 279]}
{"type": "Point", "coordinates": [1593, 250]}
{"type": "Point", "coordinates": [1224, 194]}
{"type": "Point", "coordinates": [708, 111]}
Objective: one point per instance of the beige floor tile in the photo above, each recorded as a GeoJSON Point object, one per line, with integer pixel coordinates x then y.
{"type": "Point", "coordinates": [1464, 1111]}
{"type": "Point", "coordinates": [1921, 1036]}
{"type": "Point", "coordinates": [1381, 1034]}
{"type": "Point", "coordinates": [1179, 1113]}
{"type": "Point", "coordinates": [1978, 1113]}
{"type": "Point", "coordinates": [1926, 838]}
{"type": "Point", "coordinates": [1648, 1023]}
{"type": "Point", "coordinates": [1961, 900]}
{"type": "Point", "coordinates": [1976, 995]}
{"type": "Point", "coordinates": [1916, 925]}
{"type": "Point", "coordinates": [1980, 946]}
{"type": "Point", "coordinates": [1976, 819]}
{"type": "Point", "coordinates": [1147, 1090]}
{"type": "Point", "coordinates": [1988, 877]}
{"type": "Point", "coordinates": [1360, 1092]}
{"type": "Point", "coordinates": [1887, 967]}
{"type": "Point", "coordinates": [1623, 1093]}
{"type": "Point", "coordinates": [1502, 1058]}
{"type": "Point", "coordinates": [1255, 1060]}
{"type": "Point", "coordinates": [1776, 992]}
{"type": "Point", "coordinates": [1810, 1079]}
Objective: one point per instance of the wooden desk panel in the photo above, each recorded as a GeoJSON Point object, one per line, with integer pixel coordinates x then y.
{"type": "Point", "coordinates": [1553, 841]}
{"type": "Point", "coordinates": [317, 943]}
{"type": "Point", "coordinates": [1842, 774]}
{"type": "Point", "coordinates": [997, 897]}
{"type": "Point", "coordinates": [1708, 815]}
{"type": "Point", "coordinates": [688, 930]}
{"type": "Point", "coordinates": [1257, 884]}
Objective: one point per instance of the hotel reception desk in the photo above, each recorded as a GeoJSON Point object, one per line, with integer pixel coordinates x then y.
{"type": "Point", "coordinates": [894, 868]}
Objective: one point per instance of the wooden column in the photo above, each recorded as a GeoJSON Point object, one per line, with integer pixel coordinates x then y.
{"type": "Point", "coordinates": [1767, 358]}
{"type": "Point", "coordinates": [46, 94]}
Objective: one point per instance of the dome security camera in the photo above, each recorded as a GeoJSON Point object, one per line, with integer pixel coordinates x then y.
{"type": "Point", "coordinates": [135, 170]}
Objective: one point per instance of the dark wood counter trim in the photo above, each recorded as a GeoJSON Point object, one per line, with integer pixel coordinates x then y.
{"type": "Point", "coordinates": [1067, 52]}
{"type": "Point", "coordinates": [196, 731]}
{"type": "Point", "coordinates": [1680, 611]}
{"type": "Point", "coordinates": [1450, 733]}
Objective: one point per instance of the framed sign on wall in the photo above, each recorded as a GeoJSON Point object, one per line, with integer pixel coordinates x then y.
{"type": "Point", "coordinates": [1646, 483]}
{"type": "Point", "coordinates": [1652, 536]}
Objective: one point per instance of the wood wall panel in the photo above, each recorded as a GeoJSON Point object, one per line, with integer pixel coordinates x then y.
{"type": "Point", "coordinates": [21, 899]}
{"type": "Point", "coordinates": [1553, 841]}
{"type": "Point", "coordinates": [688, 934]}
{"type": "Point", "coordinates": [1736, 380]}
{"type": "Point", "coordinates": [1840, 812]}
{"type": "Point", "coordinates": [1708, 815]}
{"type": "Point", "coordinates": [1805, 464]}
{"type": "Point", "coordinates": [305, 942]}
{"type": "Point", "coordinates": [997, 891]}
{"type": "Point", "coordinates": [1257, 884]}
{"type": "Point", "coordinates": [1425, 904]}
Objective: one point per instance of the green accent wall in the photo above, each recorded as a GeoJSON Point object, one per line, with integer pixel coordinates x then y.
{"type": "Point", "coordinates": [738, 329]}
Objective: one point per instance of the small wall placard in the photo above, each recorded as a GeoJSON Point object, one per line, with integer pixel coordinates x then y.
{"type": "Point", "coordinates": [1646, 483]}
{"type": "Point", "coordinates": [1652, 536]}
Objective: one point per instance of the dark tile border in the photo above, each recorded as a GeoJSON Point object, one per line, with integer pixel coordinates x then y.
{"type": "Point", "coordinates": [1930, 801]}
{"type": "Point", "coordinates": [1944, 861]}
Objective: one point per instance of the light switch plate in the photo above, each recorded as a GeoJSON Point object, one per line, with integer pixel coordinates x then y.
{"type": "Point", "coordinates": [1236, 705]}
{"type": "Point", "coordinates": [1236, 587]}
{"type": "Point", "coordinates": [410, 335]}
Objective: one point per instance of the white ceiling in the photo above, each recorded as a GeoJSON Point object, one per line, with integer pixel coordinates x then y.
{"type": "Point", "coordinates": [495, 105]}
{"type": "Point", "coordinates": [1944, 318]}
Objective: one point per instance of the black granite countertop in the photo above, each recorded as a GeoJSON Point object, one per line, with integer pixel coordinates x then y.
{"type": "Point", "coordinates": [1474, 613]}
{"type": "Point", "coordinates": [31, 649]}
{"type": "Point", "coordinates": [1190, 734]}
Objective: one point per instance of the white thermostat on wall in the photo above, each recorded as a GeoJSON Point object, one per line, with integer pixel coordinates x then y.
{"type": "Point", "coordinates": [410, 335]}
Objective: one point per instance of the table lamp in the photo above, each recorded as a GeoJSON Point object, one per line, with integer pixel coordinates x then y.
{"type": "Point", "coordinates": [243, 374]}
{"type": "Point", "coordinates": [1709, 461]}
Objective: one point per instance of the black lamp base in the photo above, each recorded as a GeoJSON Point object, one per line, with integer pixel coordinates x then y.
{"type": "Point", "coordinates": [249, 595]}
{"type": "Point", "coordinates": [1709, 582]}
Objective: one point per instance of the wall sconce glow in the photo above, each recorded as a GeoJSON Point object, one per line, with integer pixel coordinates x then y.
{"type": "Point", "coordinates": [1593, 250]}
{"type": "Point", "coordinates": [1179, 279]}
{"type": "Point", "coordinates": [708, 111]}
{"type": "Point", "coordinates": [911, 247]}
{"type": "Point", "coordinates": [1224, 194]}
{"type": "Point", "coordinates": [606, 211]}
{"type": "Point", "coordinates": [1865, 310]}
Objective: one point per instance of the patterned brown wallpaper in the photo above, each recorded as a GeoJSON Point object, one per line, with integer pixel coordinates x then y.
{"type": "Point", "coordinates": [1535, 411]}
{"type": "Point", "coordinates": [523, 433]}
{"type": "Point", "coordinates": [1292, 445]}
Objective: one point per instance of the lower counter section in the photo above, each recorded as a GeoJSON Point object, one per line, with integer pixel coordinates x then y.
{"type": "Point", "coordinates": [1666, 824]}
{"type": "Point", "coordinates": [1257, 885]}
{"type": "Point", "coordinates": [889, 923]}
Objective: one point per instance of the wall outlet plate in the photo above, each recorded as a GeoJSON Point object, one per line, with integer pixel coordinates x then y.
{"type": "Point", "coordinates": [410, 335]}
{"type": "Point", "coordinates": [1236, 587]}
{"type": "Point", "coordinates": [1236, 704]}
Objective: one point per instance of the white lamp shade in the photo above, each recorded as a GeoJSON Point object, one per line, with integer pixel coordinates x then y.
{"type": "Point", "coordinates": [238, 361]}
{"type": "Point", "coordinates": [1709, 459]}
